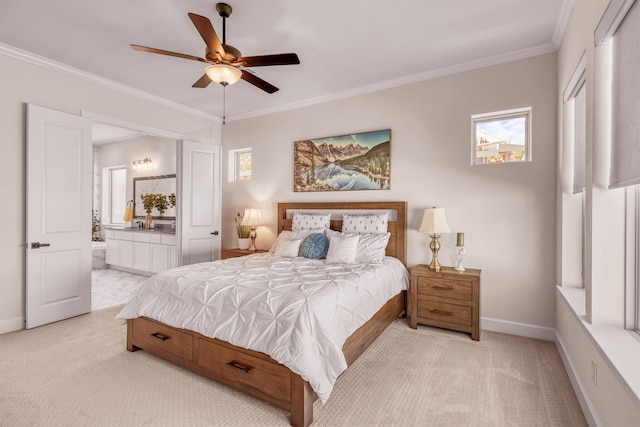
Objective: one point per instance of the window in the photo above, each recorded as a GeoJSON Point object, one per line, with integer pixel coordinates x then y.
{"type": "Point", "coordinates": [574, 207]}
{"type": "Point", "coordinates": [620, 24]}
{"type": "Point", "coordinates": [240, 165]}
{"type": "Point", "coordinates": [501, 137]}
{"type": "Point", "coordinates": [114, 194]}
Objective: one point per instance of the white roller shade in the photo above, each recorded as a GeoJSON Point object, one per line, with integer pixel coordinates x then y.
{"type": "Point", "coordinates": [625, 123]}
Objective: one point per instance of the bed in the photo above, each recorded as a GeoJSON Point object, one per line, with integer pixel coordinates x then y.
{"type": "Point", "coordinates": [251, 371]}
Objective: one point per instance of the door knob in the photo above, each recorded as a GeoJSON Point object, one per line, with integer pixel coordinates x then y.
{"type": "Point", "coordinates": [215, 233]}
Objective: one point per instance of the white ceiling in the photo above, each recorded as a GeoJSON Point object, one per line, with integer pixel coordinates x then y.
{"type": "Point", "coordinates": [345, 47]}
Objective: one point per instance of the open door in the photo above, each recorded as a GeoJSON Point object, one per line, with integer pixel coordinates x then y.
{"type": "Point", "coordinates": [199, 183]}
{"type": "Point", "coordinates": [58, 228]}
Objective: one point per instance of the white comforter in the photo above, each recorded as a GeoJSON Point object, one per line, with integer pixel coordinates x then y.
{"type": "Point", "coordinates": [297, 310]}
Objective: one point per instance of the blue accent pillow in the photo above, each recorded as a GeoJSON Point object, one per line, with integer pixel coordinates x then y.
{"type": "Point", "coordinates": [314, 246]}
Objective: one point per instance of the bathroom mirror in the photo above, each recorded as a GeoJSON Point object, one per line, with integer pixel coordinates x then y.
{"type": "Point", "coordinates": [161, 184]}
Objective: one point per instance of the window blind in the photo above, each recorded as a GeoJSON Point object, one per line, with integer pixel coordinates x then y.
{"type": "Point", "coordinates": [625, 102]}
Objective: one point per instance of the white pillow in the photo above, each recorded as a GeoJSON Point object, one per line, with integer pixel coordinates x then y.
{"type": "Point", "coordinates": [342, 249]}
{"type": "Point", "coordinates": [288, 248]}
{"type": "Point", "coordinates": [293, 235]}
{"type": "Point", "coordinates": [365, 224]}
{"type": "Point", "coordinates": [371, 247]}
{"type": "Point", "coordinates": [310, 221]}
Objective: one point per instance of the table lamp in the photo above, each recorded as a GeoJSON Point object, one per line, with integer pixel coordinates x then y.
{"type": "Point", "coordinates": [434, 221]}
{"type": "Point", "coordinates": [252, 219]}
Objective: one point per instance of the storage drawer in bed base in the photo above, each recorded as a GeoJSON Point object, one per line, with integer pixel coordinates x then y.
{"type": "Point", "coordinates": [249, 371]}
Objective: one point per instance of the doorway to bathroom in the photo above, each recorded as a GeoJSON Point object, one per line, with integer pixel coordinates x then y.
{"type": "Point", "coordinates": [120, 155]}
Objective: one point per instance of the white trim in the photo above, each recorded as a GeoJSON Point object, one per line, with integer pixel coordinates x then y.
{"type": "Point", "coordinates": [631, 253]}
{"type": "Point", "coordinates": [149, 130]}
{"type": "Point", "coordinates": [583, 399]}
{"type": "Point", "coordinates": [611, 19]}
{"type": "Point", "coordinates": [516, 328]}
{"type": "Point", "coordinates": [93, 78]}
{"type": "Point", "coordinates": [562, 22]}
{"type": "Point", "coordinates": [416, 78]}
{"type": "Point", "coordinates": [576, 81]}
{"type": "Point", "coordinates": [11, 325]}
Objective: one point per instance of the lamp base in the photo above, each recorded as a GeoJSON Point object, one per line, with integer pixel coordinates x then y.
{"type": "Point", "coordinates": [435, 248]}
{"type": "Point", "coordinates": [252, 235]}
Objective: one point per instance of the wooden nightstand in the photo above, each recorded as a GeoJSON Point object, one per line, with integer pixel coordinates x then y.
{"type": "Point", "coordinates": [446, 299]}
{"type": "Point", "coordinates": [234, 253]}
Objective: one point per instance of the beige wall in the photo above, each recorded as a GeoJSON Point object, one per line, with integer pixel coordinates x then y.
{"type": "Point", "coordinates": [507, 212]}
{"type": "Point", "coordinates": [23, 83]}
{"type": "Point", "coordinates": [161, 151]}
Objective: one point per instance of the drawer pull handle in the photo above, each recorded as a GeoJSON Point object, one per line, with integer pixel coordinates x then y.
{"type": "Point", "coordinates": [237, 365]}
{"type": "Point", "coordinates": [442, 312]}
{"type": "Point", "coordinates": [159, 336]}
{"type": "Point", "coordinates": [443, 288]}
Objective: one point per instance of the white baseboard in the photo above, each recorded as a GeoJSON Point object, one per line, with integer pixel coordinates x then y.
{"type": "Point", "coordinates": [10, 325]}
{"type": "Point", "coordinates": [515, 328]}
{"type": "Point", "coordinates": [583, 400]}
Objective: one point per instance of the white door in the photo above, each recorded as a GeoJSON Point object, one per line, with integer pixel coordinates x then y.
{"type": "Point", "coordinates": [59, 188]}
{"type": "Point", "coordinates": [199, 184]}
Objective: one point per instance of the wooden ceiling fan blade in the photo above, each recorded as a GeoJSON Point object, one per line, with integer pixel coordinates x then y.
{"type": "Point", "coordinates": [167, 52]}
{"type": "Point", "coordinates": [268, 60]}
{"type": "Point", "coordinates": [202, 82]}
{"type": "Point", "coordinates": [258, 82]}
{"type": "Point", "coordinates": [204, 27]}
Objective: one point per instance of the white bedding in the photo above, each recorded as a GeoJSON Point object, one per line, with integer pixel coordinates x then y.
{"type": "Point", "coordinates": [299, 311]}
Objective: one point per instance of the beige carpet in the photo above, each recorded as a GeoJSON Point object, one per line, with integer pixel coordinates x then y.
{"type": "Point", "coordinates": [78, 373]}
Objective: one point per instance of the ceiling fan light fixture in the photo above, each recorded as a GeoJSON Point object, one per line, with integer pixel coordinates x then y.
{"type": "Point", "coordinates": [223, 74]}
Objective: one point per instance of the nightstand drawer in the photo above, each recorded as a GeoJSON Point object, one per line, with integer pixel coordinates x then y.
{"type": "Point", "coordinates": [445, 288]}
{"type": "Point", "coordinates": [450, 313]}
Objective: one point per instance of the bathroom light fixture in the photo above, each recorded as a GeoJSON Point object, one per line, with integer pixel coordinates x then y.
{"type": "Point", "coordinates": [253, 219]}
{"type": "Point", "coordinates": [434, 221]}
{"type": "Point", "coordinates": [223, 74]}
{"type": "Point", "coordinates": [146, 163]}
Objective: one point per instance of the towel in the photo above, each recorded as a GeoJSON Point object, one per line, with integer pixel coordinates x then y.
{"type": "Point", "coordinates": [128, 213]}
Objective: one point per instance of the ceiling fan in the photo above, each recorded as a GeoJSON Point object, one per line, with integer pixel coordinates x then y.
{"type": "Point", "coordinates": [226, 63]}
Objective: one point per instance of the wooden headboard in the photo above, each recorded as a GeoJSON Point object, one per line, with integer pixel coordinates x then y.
{"type": "Point", "coordinates": [397, 246]}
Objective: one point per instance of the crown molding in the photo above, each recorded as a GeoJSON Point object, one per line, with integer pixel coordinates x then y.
{"type": "Point", "coordinates": [416, 78]}
{"type": "Point", "coordinates": [561, 23]}
{"type": "Point", "coordinates": [41, 61]}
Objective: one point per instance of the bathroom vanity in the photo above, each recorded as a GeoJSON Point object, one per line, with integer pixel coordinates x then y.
{"type": "Point", "coordinates": [147, 251]}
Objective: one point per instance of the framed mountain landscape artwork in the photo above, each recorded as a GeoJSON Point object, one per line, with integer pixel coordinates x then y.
{"type": "Point", "coordinates": [360, 161]}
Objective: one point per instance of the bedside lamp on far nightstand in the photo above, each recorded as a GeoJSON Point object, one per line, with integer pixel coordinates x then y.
{"type": "Point", "coordinates": [434, 221]}
{"type": "Point", "coordinates": [252, 219]}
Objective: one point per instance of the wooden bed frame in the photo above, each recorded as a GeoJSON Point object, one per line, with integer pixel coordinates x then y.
{"type": "Point", "coordinates": [256, 373]}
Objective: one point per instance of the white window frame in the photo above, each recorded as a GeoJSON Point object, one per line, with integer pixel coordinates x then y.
{"type": "Point", "coordinates": [632, 273]}
{"type": "Point", "coordinates": [108, 204]}
{"type": "Point", "coordinates": [477, 119]}
{"type": "Point", "coordinates": [234, 164]}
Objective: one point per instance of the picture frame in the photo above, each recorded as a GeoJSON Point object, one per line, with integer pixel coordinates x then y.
{"type": "Point", "coordinates": [358, 161]}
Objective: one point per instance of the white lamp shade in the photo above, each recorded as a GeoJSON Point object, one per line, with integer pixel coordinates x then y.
{"type": "Point", "coordinates": [434, 220]}
{"type": "Point", "coordinates": [223, 74]}
{"type": "Point", "coordinates": [252, 217]}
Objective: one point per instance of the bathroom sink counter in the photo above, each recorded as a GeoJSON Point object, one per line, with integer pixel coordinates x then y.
{"type": "Point", "coordinates": [158, 230]}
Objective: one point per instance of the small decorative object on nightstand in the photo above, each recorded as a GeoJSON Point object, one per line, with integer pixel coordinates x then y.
{"type": "Point", "coordinates": [459, 250]}
{"type": "Point", "coordinates": [446, 299]}
{"type": "Point", "coordinates": [234, 253]}
{"type": "Point", "coordinates": [434, 221]}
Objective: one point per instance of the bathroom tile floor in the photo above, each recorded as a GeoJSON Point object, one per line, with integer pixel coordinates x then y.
{"type": "Point", "coordinates": [113, 287]}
